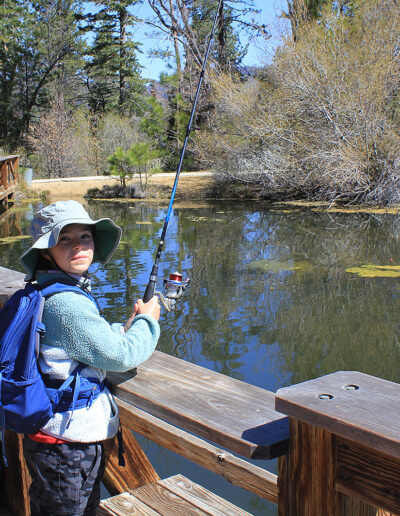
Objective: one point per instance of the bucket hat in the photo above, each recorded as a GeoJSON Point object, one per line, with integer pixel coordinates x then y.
{"type": "Point", "coordinates": [48, 223]}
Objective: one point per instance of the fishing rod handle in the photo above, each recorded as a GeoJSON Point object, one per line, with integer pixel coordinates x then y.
{"type": "Point", "coordinates": [151, 286]}
{"type": "Point", "coordinates": [149, 292]}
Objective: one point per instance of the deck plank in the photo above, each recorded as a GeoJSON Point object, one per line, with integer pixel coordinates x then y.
{"type": "Point", "coordinates": [201, 497]}
{"type": "Point", "coordinates": [226, 411]}
{"type": "Point", "coordinates": [125, 504]}
{"type": "Point", "coordinates": [167, 502]}
{"type": "Point", "coordinates": [176, 495]}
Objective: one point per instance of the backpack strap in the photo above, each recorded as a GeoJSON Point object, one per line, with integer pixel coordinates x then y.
{"type": "Point", "coordinates": [56, 395]}
{"type": "Point", "coordinates": [54, 288]}
{"type": "Point", "coordinates": [3, 427]}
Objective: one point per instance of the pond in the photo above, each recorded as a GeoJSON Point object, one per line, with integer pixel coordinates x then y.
{"type": "Point", "coordinates": [277, 296]}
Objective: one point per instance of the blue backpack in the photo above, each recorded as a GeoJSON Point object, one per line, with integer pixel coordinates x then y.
{"type": "Point", "coordinates": [26, 403]}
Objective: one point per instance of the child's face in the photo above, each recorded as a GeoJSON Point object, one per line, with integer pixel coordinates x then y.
{"type": "Point", "coordinates": [74, 250]}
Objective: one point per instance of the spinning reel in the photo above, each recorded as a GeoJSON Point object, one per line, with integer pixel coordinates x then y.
{"type": "Point", "coordinates": [174, 288]}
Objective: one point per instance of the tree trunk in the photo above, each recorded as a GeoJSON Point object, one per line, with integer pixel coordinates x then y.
{"type": "Point", "coordinates": [122, 56]}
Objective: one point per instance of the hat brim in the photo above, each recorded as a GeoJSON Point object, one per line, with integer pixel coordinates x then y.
{"type": "Point", "coordinates": [107, 236]}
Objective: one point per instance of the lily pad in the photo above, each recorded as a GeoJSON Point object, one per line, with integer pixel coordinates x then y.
{"type": "Point", "coordinates": [276, 266]}
{"type": "Point", "coordinates": [376, 271]}
{"type": "Point", "coordinates": [11, 239]}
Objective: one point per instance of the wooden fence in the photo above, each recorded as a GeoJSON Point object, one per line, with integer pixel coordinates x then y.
{"type": "Point", "coordinates": [8, 178]}
{"type": "Point", "coordinates": [337, 439]}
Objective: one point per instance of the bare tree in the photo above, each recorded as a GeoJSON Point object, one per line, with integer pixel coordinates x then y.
{"type": "Point", "coordinates": [323, 123]}
{"type": "Point", "coordinates": [53, 140]}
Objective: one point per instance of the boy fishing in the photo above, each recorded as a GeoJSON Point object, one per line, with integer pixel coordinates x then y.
{"type": "Point", "coordinates": [65, 457]}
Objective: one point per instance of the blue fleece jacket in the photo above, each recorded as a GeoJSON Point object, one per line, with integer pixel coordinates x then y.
{"type": "Point", "coordinates": [75, 332]}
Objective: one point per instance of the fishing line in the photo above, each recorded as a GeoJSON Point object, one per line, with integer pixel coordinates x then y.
{"type": "Point", "coordinates": [149, 292]}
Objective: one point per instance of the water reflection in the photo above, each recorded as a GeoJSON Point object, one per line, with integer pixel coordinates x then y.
{"type": "Point", "coordinates": [251, 311]}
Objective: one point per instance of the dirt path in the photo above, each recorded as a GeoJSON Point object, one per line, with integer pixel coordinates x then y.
{"type": "Point", "coordinates": [190, 184]}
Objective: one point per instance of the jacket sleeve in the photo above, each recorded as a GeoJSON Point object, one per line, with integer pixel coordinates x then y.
{"type": "Point", "coordinates": [73, 323]}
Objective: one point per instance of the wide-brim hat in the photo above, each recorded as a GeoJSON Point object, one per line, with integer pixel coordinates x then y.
{"type": "Point", "coordinates": [48, 223]}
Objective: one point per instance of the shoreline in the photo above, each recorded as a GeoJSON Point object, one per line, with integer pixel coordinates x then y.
{"type": "Point", "coordinates": [191, 185]}
{"type": "Point", "coordinates": [192, 188]}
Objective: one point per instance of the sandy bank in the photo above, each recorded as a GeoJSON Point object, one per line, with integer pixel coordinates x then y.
{"type": "Point", "coordinates": [190, 183]}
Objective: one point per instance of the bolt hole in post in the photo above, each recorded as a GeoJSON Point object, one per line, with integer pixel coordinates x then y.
{"type": "Point", "coordinates": [351, 387]}
{"type": "Point", "coordinates": [325, 396]}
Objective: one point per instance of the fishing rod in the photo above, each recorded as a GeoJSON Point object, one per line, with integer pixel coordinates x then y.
{"type": "Point", "coordinates": [175, 285]}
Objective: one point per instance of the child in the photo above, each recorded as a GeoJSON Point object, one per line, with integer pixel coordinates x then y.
{"type": "Point", "coordinates": [65, 458]}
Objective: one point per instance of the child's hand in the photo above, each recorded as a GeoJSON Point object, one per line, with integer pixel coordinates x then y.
{"type": "Point", "coordinates": [152, 308]}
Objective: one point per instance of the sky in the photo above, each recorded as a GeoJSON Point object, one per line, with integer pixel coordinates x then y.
{"type": "Point", "coordinates": [259, 52]}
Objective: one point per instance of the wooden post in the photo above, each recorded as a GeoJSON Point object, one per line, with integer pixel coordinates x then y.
{"type": "Point", "coordinates": [307, 469]}
{"type": "Point", "coordinates": [16, 479]}
{"type": "Point", "coordinates": [344, 452]}
{"type": "Point", "coordinates": [137, 471]}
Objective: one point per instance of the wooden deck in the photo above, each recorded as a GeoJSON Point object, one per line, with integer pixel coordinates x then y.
{"type": "Point", "coordinates": [8, 178]}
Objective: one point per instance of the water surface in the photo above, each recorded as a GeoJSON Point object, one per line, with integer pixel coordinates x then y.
{"type": "Point", "coordinates": [271, 299]}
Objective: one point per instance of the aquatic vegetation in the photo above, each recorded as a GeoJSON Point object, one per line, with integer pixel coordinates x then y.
{"type": "Point", "coordinates": [19, 209]}
{"type": "Point", "coordinates": [285, 211]}
{"type": "Point", "coordinates": [11, 239]}
{"type": "Point", "coordinates": [304, 204]}
{"type": "Point", "coordinates": [199, 219]}
{"type": "Point", "coordinates": [376, 271]}
{"type": "Point", "coordinates": [393, 210]}
{"type": "Point", "coordinates": [30, 200]}
{"type": "Point", "coordinates": [277, 266]}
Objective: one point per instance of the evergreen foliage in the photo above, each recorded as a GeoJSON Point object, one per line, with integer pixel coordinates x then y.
{"type": "Point", "coordinates": [113, 72]}
{"type": "Point", "coordinates": [37, 42]}
{"type": "Point", "coordinates": [139, 158]}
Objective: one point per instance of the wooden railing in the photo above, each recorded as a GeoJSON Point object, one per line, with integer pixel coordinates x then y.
{"type": "Point", "coordinates": [344, 451]}
{"type": "Point", "coordinates": [337, 437]}
{"type": "Point", "coordinates": [8, 178]}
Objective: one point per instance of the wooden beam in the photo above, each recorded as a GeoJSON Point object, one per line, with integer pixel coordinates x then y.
{"type": "Point", "coordinates": [344, 446]}
{"type": "Point", "coordinates": [237, 471]}
{"type": "Point", "coordinates": [8, 158]}
{"type": "Point", "coordinates": [226, 411]}
{"type": "Point", "coordinates": [305, 479]}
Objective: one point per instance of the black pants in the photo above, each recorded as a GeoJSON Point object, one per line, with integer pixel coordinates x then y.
{"type": "Point", "coordinates": [65, 477]}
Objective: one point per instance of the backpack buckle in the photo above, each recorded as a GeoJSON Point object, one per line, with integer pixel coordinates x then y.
{"type": "Point", "coordinates": [41, 328]}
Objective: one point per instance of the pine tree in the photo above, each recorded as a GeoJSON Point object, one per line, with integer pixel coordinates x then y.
{"type": "Point", "coordinates": [37, 39]}
{"type": "Point", "coordinates": [113, 71]}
